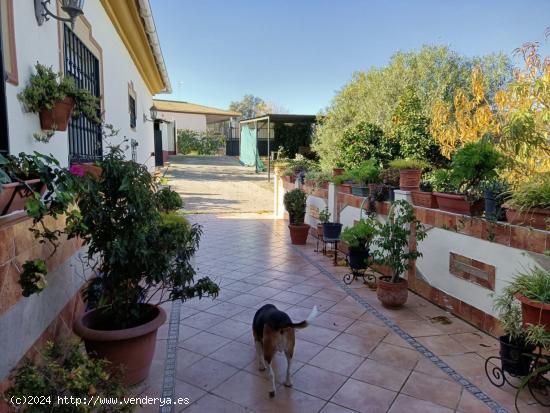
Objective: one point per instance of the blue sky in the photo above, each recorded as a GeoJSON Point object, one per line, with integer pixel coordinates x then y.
{"type": "Point", "coordinates": [298, 53]}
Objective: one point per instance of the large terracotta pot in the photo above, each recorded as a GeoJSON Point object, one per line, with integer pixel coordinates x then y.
{"type": "Point", "coordinates": [534, 312]}
{"type": "Point", "coordinates": [6, 196]}
{"type": "Point", "coordinates": [409, 179]}
{"type": "Point", "coordinates": [131, 349]}
{"type": "Point", "coordinates": [424, 199]}
{"type": "Point", "coordinates": [535, 217]}
{"type": "Point", "coordinates": [298, 233]}
{"type": "Point", "coordinates": [344, 188]}
{"type": "Point", "coordinates": [58, 117]}
{"type": "Point", "coordinates": [23, 193]}
{"type": "Point", "coordinates": [337, 171]}
{"type": "Point", "coordinates": [392, 294]}
{"type": "Point", "coordinates": [458, 204]}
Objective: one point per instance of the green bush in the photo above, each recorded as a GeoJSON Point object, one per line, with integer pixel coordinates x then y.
{"type": "Point", "coordinates": [365, 141]}
{"type": "Point", "coordinates": [389, 177]}
{"type": "Point", "coordinates": [438, 180]}
{"type": "Point", "coordinates": [295, 204]}
{"type": "Point", "coordinates": [366, 172]}
{"type": "Point", "coordinates": [532, 194]}
{"type": "Point", "coordinates": [409, 164]}
{"type": "Point", "coordinates": [66, 371]}
{"type": "Point", "coordinates": [168, 200]}
{"type": "Point", "coordinates": [360, 235]}
{"type": "Point", "coordinates": [473, 164]}
{"type": "Point", "coordinates": [200, 143]}
{"type": "Point", "coordinates": [324, 216]}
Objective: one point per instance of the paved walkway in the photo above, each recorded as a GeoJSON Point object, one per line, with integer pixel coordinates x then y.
{"type": "Point", "coordinates": [350, 360]}
{"type": "Point", "coordinates": [219, 184]}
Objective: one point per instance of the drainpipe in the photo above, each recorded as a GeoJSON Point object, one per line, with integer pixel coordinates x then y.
{"type": "Point", "coordinates": [147, 16]}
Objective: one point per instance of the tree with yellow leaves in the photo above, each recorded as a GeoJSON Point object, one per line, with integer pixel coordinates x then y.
{"type": "Point", "coordinates": [518, 123]}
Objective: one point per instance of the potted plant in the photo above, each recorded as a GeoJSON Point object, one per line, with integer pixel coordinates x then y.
{"type": "Point", "coordinates": [343, 182]}
{"type": "Point", "coordinates": [358, 238]}
{"type": "Point", "coordinates": [529, 203]}
{"type": "Point", "coordinates": [331, 230]}
{"type": "Point", "coordinates": [410, 171]}
{"type": "Point", "coordinates": [295, 204]}
{"type": "Point", "coordinates": [324, 216]}
{"type": "Point", "coordinates": [424, 196]}
{"type": "Point", "coordinates": [317, 179]}
{"type": "Point", "coordinates": [55, 98]}
{"type": "Point", "coordinates": [366, 173]}
{"type": "Point", "coordinates": [532, 289]}
{"type": "Point", "coordinates": [389, 178]}
{"type": "Point", "coordinates": [7, 187]}
{"type": "Point", "coordinates": [394, 251]}
{"type": "Point", "coordinates": [514, 346]}
{"type": "Point", "coordinates": [134, 252]}
{"type": "Point", "coordinates": [459, 190]}
{"type": "Point", "coordinates": [495, 192]}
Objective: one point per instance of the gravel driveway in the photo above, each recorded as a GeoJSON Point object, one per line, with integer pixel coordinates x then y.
{"type": "Point", "coordinates": [219, 184]}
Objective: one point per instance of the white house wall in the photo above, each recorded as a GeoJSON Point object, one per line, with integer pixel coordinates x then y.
{"type": "Point", "coordinates": [41, 43]}
{"type": "Point", "coordinates": [190, 121]}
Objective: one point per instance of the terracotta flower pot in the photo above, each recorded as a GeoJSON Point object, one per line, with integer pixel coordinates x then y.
{"type": "Point", "coordinates": [344, 188]}
{"type": "Point", "coordinates": [23, 193]}
{"type": "Point", "coordinates": [6, 196]}
{"type": "Point", "coordinates": [424, 199]}
{"type": "Point", "coordinates": [392, 294]}
{"type": "Point", "coordinates": [458, 204]}
{"type": "Point", "coordinates": [298, 233]}
{"type": "Point", "coordinates": [309, 182]}
{"type": "Point", "coordinates": [409, 179]}
{"type": "Point", "coordinates": [320, 231]}
{"type": "Point", "coordinates": [535, 217]}
{"type": "Point", "coordinates": [131, 349]}
{"type": "Point", "coordinates": [58, 117]}
{"type": "Point", "coordinates": [534, 312]}
{"type": "Point", "coordinates": [337, 171]}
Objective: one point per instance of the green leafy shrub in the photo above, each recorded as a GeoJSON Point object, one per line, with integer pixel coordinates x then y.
{"type": "Point", "coordinates": [389, 177]}
{"type": "Point", "coordinates": [292, 136]}
{"type": "Point", "coordinates": [200, 143]}
{"type": "Point", "coordinates": [366, 172]}
{"type": "Point", "coordinates": [365, 141]}
{"type": "Point", "coordinates": [409, 164]}
{"type": "Point", "coordinates": [324, 216]}
{"type": "Point", "coordinates": [392, 240]}
{"type": "Point", "coordinates": [340, 179]}
{"type": "Point", "coordinates": [168, 200]}
{"type": "Point", "coordinates": [473, 164]}
{"type": "Point", "coordinates": [33, 277]}
{"type": "Point", "coordinates": [532, 194]}
{"type": "Point", "coordinates": [131, 246]}
{"type": "Point", "coordinates": [66, 371]}
{"type": "Point", "coordinates": [295, 204]}
{"type": "Point", "coordinates": [360, 235]}
{"type": "Point", "coordinates": [46, 88]}
{"type": "Point", "coordinates": [439, 180]}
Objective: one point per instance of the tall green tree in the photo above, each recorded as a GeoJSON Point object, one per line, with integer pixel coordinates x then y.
{"type": "Point", "coordinates": [410, 131]}
{"type": "Point", "coordinates": [252, 106]}
{"type": "Point", "coordinates": [434, 72]}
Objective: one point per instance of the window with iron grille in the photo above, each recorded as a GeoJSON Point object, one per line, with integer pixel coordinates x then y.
{"type": "Point", "coordinates": [132, 108]}
{"type": "Point", "coordinates": [85, 138]}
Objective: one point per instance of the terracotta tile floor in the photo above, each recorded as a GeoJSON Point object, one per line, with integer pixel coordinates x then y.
{"type": "Point", "coordinates": [347, 361]}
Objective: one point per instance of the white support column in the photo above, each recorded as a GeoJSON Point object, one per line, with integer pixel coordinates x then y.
{"type": "Point", "coordinates": [332, 202]}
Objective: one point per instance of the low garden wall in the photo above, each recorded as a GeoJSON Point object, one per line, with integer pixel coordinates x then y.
{"type": "Point", "coordinates": [27, 323]}
{"type": "Point", "coordinates": [465, 260]}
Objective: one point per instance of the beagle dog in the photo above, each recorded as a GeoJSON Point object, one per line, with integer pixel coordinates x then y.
{"type": "Point", "coordinates": [273, 331]}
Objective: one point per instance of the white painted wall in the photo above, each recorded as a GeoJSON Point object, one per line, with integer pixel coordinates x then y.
{"type": "Point", "coordinates": [436, 249]}
{"type": "Point", "coordinates": [191, 121]}
{"type": "Point", "coordinates": [41, 43]}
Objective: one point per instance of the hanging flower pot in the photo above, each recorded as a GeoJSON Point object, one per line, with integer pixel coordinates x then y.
{"type": "Point", "coordinates": [57, 118]}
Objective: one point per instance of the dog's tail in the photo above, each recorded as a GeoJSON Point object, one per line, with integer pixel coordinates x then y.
{"type": "Point", "coordinates": [308, 320]}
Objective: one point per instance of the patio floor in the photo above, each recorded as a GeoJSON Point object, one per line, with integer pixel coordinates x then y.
{"type": "Point", "coordinates": [350, 359]}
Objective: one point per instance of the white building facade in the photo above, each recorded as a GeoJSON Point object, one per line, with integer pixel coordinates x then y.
{"type": "Point", "coordinates": [112, 49]}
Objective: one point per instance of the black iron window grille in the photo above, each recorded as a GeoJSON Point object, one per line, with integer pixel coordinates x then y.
{"type": "Point", "coordinates": [132, 107]}
{"type": "Point", "coordinates": [85, 137]}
